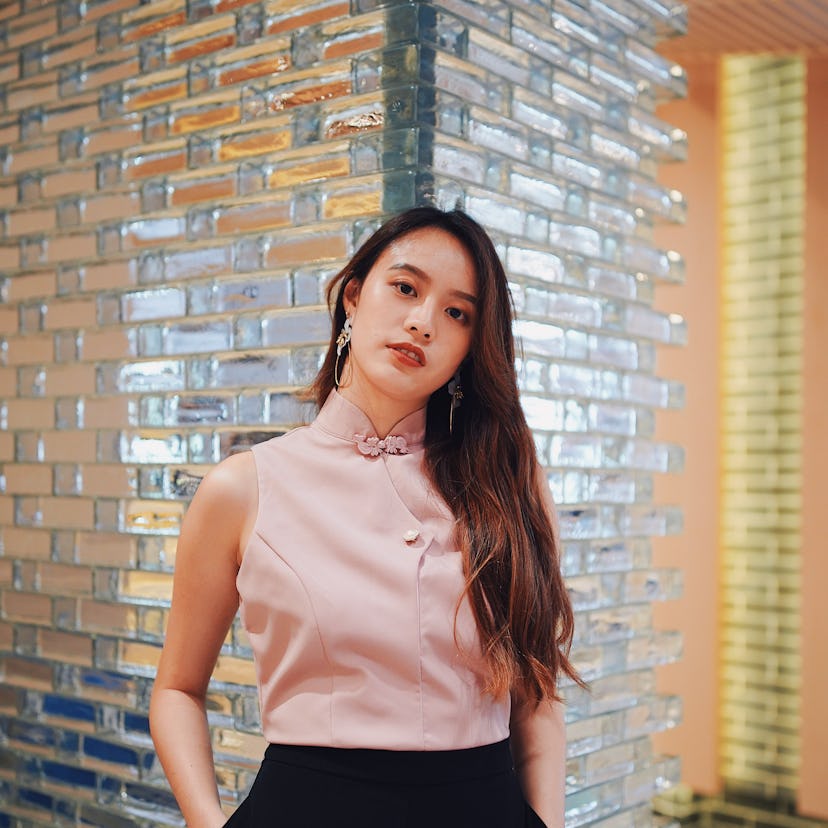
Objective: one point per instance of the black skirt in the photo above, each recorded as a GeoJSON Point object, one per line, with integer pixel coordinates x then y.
{"type": "Point", "coordinates": [322, 787]}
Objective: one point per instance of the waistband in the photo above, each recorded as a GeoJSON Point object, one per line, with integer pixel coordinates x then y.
{"type": "Point", "coordinates": [398, 766]}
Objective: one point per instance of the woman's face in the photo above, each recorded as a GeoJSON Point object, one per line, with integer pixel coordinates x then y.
{"type": "Point", "coordinates": [413, 319]}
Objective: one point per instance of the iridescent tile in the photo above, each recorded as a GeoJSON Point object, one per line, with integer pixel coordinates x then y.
{"type": "Point", "coordinates": [161, 375]}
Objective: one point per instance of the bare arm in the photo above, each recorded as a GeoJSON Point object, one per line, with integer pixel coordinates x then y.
{"type": "Point", "coordinates": [204, 603]}
{"type": "Point", "coordinates": [538, 739]}
{"type": "Point", "coordinates": [538, 733]}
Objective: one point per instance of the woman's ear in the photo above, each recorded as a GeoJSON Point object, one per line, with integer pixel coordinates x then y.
{"type": "Point", "coordinates": [350, 295]}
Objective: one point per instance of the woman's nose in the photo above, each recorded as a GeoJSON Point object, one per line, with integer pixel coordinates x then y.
{"type": "Point", "coordinates": [420, 323]}
{"type": "Point", "coordinates": [420, 329]}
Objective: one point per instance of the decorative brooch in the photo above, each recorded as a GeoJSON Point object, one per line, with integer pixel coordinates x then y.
{"type": "Point", "coordinates": [373, 446]}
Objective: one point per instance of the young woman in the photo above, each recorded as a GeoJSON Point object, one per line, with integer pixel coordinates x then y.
{"type": "Point", "coordinates": [396, 565]}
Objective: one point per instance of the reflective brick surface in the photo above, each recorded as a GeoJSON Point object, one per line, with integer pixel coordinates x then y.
{"type": "Point", "coordinates": [178, 181]}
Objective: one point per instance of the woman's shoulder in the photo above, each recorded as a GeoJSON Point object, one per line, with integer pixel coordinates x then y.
{"type": "Point", "coordinates": [232, 481]}
{"type": "Point", "coordinates": [235, 480]}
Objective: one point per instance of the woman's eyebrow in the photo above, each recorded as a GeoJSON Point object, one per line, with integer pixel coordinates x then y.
{"type": "Point", "coordinates": [426, 278]}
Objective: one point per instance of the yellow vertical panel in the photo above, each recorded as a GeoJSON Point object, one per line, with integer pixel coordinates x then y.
{"type": "Point", "coordinates": [763, 214]}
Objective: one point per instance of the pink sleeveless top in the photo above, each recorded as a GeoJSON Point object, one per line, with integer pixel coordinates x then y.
{"type": "Point", "coordinates": [349, 586]}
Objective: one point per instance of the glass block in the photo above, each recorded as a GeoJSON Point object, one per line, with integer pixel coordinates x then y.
{"type": "Point", "coordinates": [247, 255]}
{"type": "Point", "coordinates": [543, 414]}
{"type": "Point", "coordinates": [576, 345]}
{"type": "Point", "coordinates": [539, 337]}
{"type": "Point", "coordinates": [31, 317]}
{"type": "Point", "coordinates": [252, 409]}
{"type": "Point", "coordinates": [108, 449]}
{"type": "Point", "coordinates": [252, 370]}
{"type": "Point", "coordinates": [309, 286]}
{"type": "Point", "coordinates": [577, 238]}
{"type": "Point", "coordinates": [203, 448]}
{"type": "Point", "coordinates": [296, 328]}
{"type": "Point", "coordinates": [152, 304]}
{"type": "Point", "coordinates": [107, 515]}
{"type": "Point", "coordinates": [150, 340]}
{"type": "Point", "coordinates": [251, 178]}
{"type": "Point", "coordinates": [156, 553]}
{"type": "Point", "coordinates": [25, 643]}
{"type": "Point", "coordinates": [249, 24]}
{"type": "Point", "coordinates": [151, 411]}
{"type": "Point", "coordinates": [67, 479]}
{"type": "Point", "coordinates": [31, 57]}
{"type": "Point", "coordinates": [287, 409]}
{"type": "Point", "coordinates": [188, 338]}
{"type": "Point", "coordinates": [72, 142]}
{"type": "Point", "coordinates": [109, 170]}
{"type": "Point", "coordinates": [32, 251]}
{"type": "Point", "coordinates": [110, 240]}
{"type": "Point", "coordinates": [106, 378]}
{"type": "Point", "coordinates": [152, 623]}
{"type": "Point", "coordinates": [156, 127]}
{"type": "Point", "coordinates": [153, 375]}
{"type": "Point", "coordinates": [27, 511]}
{"type": "Point", "coordinates": [201, 224]}
{"type": "Point", "coordinates": [151, 55]}
{"type": "Point", "coordinates": [253, 102]}
{"type": "Point", "coordinates": [65, 612]}
{"type": "Point", "coordinates": [67, 346]}
{"type": "Point", "coordinates": [307, 207]}
{"type": "Point", "coordinates": [496, 212]}
{"type": "Point", "coordinates": [109, 33]}
{"type": "Point", "coordinates": [248, 332]}
{"type": "Point", "coordinates": [30, 188]}
{"type": "Point", "coordinates": [69, 280]}
{"type": "Point", "coordinates": [200, 299]}
{"type": "Point", "coordinates": [669, 79]}
{"type": "Point", "coordinates": [152, 482]}
{"type": "Point", "coordinates": [307, 48]}
{"type": "Point", "coordinates": [139, 447]}
{"type": "Point", "coordinates": [201, 410]}
{"type": "Point", "coordinates": [200, 151]}
{"type": "Point", "coordinates": [532, 376]}
{"type": "Point", "coordinates": [368, 72]}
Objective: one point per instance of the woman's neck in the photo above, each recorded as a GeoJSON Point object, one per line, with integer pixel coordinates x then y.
{"type": "Point", "coordinates": [383, 412]}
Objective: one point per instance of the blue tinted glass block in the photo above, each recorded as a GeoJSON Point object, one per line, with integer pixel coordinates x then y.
{"type": "Point", "coordinates": [106, 681]}
{"type": "Point", "coordinates": [136, 722]}
{"type": "Point", "coordinates": [34, 799]}
{"type": "Point", "coordinates": [109, 752]}
{"type": "Point", "coordinates": [146, 795]}
{"type": "Point", "coordinates": [68, 775]}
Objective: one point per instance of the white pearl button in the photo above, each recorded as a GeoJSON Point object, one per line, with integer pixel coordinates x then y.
{"type": "Point", "coordinates": [411, 535]}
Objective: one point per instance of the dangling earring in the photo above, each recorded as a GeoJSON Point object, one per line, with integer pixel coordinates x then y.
{"type": "Point", "coordinates": [341, 341]}
{"type": "Point", "coordinates": [456, 394]}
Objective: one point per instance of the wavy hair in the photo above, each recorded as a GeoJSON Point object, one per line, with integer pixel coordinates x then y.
{"type": "Point", "coordinates": [487, 471]}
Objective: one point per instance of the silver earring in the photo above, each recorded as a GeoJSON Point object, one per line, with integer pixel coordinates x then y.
{"type": "Point", "coordinates": [456, 393]}
{"type": "Point", "coordinates": [341, 341]}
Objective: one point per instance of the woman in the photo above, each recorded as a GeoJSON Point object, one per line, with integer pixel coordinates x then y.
{"type": "Point", "coordinates": [396, 566]}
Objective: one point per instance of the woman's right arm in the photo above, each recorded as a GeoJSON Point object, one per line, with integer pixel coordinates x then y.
{"type": "Point", "coordinates": [204, 601]}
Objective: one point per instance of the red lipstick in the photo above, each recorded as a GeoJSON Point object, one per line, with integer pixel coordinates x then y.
{"type": "Point", "coordinates": [409, 354]}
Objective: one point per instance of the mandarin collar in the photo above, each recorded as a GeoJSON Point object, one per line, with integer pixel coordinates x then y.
{"type": "Point", "coordinates": [345, 420]}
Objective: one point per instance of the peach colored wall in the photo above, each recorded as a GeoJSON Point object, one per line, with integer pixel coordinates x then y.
{"type": "Point", "coordinates": [696, 427]}
{"type": "Point", "coordinates": [813, 790]}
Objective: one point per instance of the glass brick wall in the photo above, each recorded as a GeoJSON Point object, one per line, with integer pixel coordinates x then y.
{"type": "Point", "coordinates": [179, 181]}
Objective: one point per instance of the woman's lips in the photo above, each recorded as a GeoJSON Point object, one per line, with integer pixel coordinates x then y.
{"type": "Point", "coordinates": [409, 354]}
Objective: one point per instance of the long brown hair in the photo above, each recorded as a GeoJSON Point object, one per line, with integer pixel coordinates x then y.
{"type": "Point", "coordinates": [486, 469]}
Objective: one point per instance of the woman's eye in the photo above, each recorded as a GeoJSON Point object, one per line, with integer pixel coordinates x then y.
{"type": "Point", "coordinates": [405, 288]}
{"type": "Point", "coordinates": [456, 313]}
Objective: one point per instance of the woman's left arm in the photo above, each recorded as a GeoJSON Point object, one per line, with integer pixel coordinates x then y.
{"type": "Point", "coordinates": [538, 739]}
